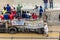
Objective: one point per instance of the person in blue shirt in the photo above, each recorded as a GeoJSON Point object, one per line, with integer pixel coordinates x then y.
{"type": "Point", "coordinates": [6, 16]}
{"type": "Point", "coordinates": [40, 11]}
{"type": "Point", "coordinates": [24, 14]}
{"type": "Point", "coordinates": [8, 8]}
{"type": "Point", "coordinates": [45, 4]}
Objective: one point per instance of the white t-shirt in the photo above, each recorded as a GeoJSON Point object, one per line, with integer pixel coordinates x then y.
{"type": "Point", "coordinates": [29, 14]}
{"type": "Point", "coordinates": [46, 29]}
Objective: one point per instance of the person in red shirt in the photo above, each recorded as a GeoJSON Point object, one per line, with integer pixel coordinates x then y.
{"type": "Point", "coordinates": [11, 16]}
{"type": "Point", "coordinates": [2, 16]}
{"type": "Point", "coordinates": [13, 11]}
{"type": "Point", "coordinates": [34, 16]}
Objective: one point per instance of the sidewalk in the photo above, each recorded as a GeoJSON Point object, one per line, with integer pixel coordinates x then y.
{"type": "Point", "coordinates": [54, 28]}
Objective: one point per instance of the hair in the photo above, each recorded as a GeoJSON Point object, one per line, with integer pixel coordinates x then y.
{"type": "Point", "coordinates": [23, 11]}
{"type": "Point", "coordinates": [4, 8]}
{"type": "Point", "coordinates": [7, 4]}
{"type": "Point", "coordinates": [9, 12]}
{"type": "Point", "coordinates": [2, 13]}
{"type": "Point", "coordinates": [40, 6]}
{"type": "Point", "coordinates": [14, 7]}
{"type": "Point", "coordinates": [27, 11]}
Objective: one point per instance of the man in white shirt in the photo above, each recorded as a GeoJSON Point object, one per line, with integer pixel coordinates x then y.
{"type": "Point", "coordinates": [28, 13]}
{"type": "Point", "coordinates": [46, 29]}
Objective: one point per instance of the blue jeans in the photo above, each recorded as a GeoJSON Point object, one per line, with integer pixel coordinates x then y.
{"type": "Point", "coordinates": [19, 13]}
{"type": "Point", "coordinates": [45, 5]}
{"type": "Point", "coordinates": [51, 5]}
{"type": "Point", "coordinates": [40, 15]}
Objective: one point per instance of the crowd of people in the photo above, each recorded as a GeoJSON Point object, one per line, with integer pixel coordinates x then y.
{"type": "Point", "coordinates": [9, 12]}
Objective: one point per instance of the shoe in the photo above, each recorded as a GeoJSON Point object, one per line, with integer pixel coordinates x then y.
{"type": "Point", "coordinates": [46, 35]}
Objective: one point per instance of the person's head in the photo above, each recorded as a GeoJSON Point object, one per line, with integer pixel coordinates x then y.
{"type": "Point", "coordinates": [36, 6]}
{"type": "Point", "coordinates": [4, 8]}
{"type": "Point", "coordinates": [7, 4]}
{"type": "Point", "coordinates": [14, 7]}
{"type": "Point", "coordinates": [27, 11]}
{"type": "Point", "coordinates": [1, 13]}
{"type": "Point", "coordinates": [18, 4]}
{"type": "Point", "coordinates": [24, 12]}
{"type": "Point", "coordinates": [9, 12]}
{"type": "Point", "coordinates": [40, 6]}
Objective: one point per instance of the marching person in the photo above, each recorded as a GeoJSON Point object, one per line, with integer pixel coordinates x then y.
{"type": "Point", "coordinates": [46, 29]}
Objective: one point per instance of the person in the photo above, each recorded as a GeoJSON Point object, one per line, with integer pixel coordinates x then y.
{"type": "Point", "coordinates": [45, 18]}
{"type": "Point", "coordinates": [40, 11]}
{"type": "Point", "coordinates": [2, 16]}
{"type": "Point", "coordinates": [36, 8]}
{"type": "Point", "coordinates": [4, 10]}
{"type": "Point", "coordinates": [34, 16]}
{"type": "Point", "coordinates": [11, 16]}
{"type": "Point", "coordinates": [59, 17]}
{"type": "Point", "coordinates": [16, 16]}
{"type": "Point", "coordinates": [45, 4]}
{"type": "Point", "coordinates": [24, 15]}
{"type": "Point", "coordinates": [13, 11]}
{"type": "Point", "coordinates": [46, 29]}
{"type": "Point", "coordinates": [28, 14]}
{"type": "Point", "coordinates": [51, 3]}
{"type": "Point", "coordinates": [12, 7]}
{"type": "Point", "coordinates": [19, 9]}
{"type": "Point", "coordinates": [6, 16]}
{"type": "Point", "coordinates": [8, 8]}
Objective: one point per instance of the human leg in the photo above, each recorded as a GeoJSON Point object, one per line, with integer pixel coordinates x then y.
{"type": "Point", "coordinates": [51, 5]}
{"type": "Point", "coordinates": [45, 5]}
